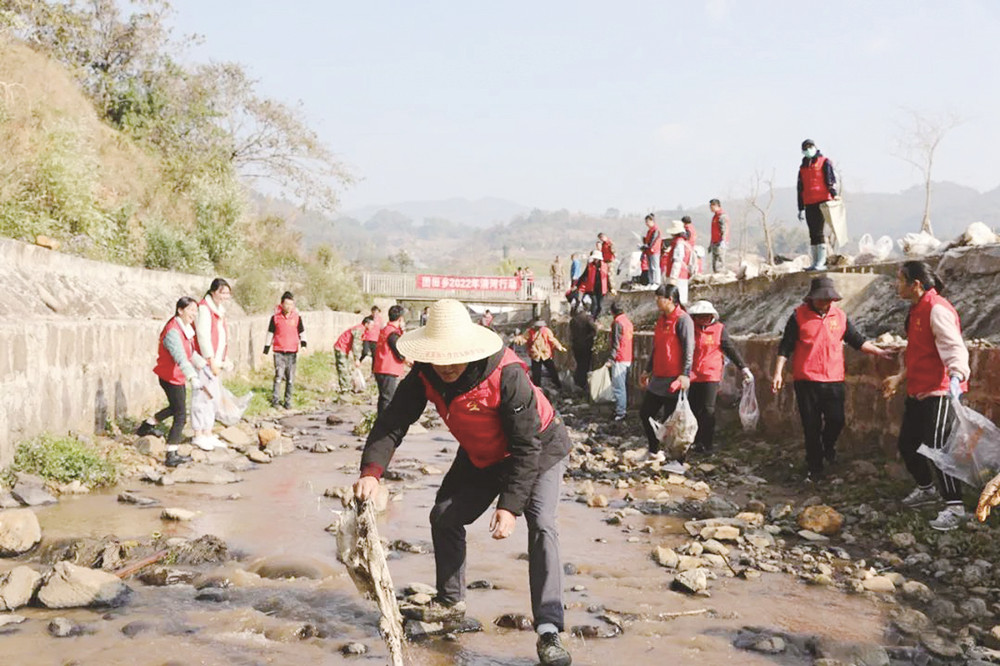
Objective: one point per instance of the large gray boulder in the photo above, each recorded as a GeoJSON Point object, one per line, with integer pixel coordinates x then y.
{"type": "Point", "coordinates": [17, 586]}
{"type": "Point", "coordinates": [70, 586]}
{"type": "Point", "coordinates": [208, 474]}
{"type": "Point", "coordinates": [19, 531]}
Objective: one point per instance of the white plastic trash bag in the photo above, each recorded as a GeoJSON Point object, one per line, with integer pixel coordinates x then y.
{"type": "Point", "coordinates": [229, 409]}
{"type": "Point", "coordinates": [358, 381]}
{"type": "Point", "coordinates": [972, 452]}
{"type": "Point", "coordinates": [749, 412]}
{"type": "Point", "coordinates": [677, 433]}
{"type": "Point", "coordinates": [917, 245]}
{"type": "Point", "coordinates": [835, 216]}
{"type": "Point", "coordinates": [883, 248]}
{"type": "Point", "coordinates": [600, 385]}
{"type": "Point", "coordinates": [203, 400]}
{"type": "Point", "coordinates": [866, 245]}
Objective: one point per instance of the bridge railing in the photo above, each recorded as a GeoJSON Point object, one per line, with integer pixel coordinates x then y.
{"type": "Point", "coordinates": [407, 285]}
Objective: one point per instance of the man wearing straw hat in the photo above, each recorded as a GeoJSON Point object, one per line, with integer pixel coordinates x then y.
{"type": "Point", "coordinates": [512, 445]}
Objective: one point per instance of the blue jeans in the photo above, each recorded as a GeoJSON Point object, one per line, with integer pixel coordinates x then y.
{"type": "Point", "coordinates": [654, 269]}
{"type": "Point", "coordinates": [619, 374]}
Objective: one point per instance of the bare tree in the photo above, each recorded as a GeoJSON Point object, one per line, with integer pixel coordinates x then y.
{"type": "Point", "coordinates": [761, 202]}
{"type": "Point", "coordinates": [917, 142]}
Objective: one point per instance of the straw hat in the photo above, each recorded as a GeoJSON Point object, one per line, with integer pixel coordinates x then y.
{"type": "Point", "coordinates": [449, 337]}
{"type": "Point", "coordinates": [676, 228]}
{"type": "Point", "coordinates": [702, 308]}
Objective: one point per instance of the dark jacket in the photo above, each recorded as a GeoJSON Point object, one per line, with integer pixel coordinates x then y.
{"type": "Point", "coordinates": [582, 332]}
{"type": "Point", "coordinates": [532, 452]}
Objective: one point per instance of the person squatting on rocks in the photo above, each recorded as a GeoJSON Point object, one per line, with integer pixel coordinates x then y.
{"type": "Point", "coordinates": [177, 363]}
{"type": "Point", "coordinates": [541, 342]}
{"type": "Point", "coordinates": [389, 365]}
{"type": "Point", "coordinates": [582, 333]}
{"type": "Point", "coordinates": [512, 445]}
{"type": "Point", "coordinates": [711, 343]}
{"type": "Point", "coordinates": [720, 236]}
{"type": "Point", "coordinates": [814, 339]}
{"type": "Point", "coordinates": [370, 339]}
{"type": "Point", "coordinates": [620, 358]}
{"type": "Point", "coordinates": [285, 332]}
{"type": "Point", "coordinates": [668, 371]}
{"type": "Point", "coordinates": [594, 282]}
{"type": "Point", "coordinates": [348, 346]}
{"type": "Point", "coordinates": [936, 371]}
{"type": "Point", "coordinates": [817, 184]}
{"type": "Point", "coordinates": [212, 342]}
{"type": "Point", "coordinates": [652, 245]}
{"type": "Point", "coordinates": [678, 258]}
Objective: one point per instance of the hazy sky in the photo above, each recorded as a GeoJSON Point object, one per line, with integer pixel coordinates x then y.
{"type": "Point", "coordinates": [588, 105]}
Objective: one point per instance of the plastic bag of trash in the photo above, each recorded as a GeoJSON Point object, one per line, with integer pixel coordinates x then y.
{"type": "Point", "coordinates": [749, 412]}
{"type": "Point", "coordinates": [358, 383]}
{"type": "Point", "coordinates": [866, 245]}
{"type": "Point", "coordinates": [972, 452]}
{"type": "Point", "coordinates": [883, 248]}
{"type": "Point", "coordinates": [600, 385]}
{"type": "Point", "coordinates": [677, 433]}
{"type": "Point", "coordinates": [229, 409]}
{"type": "Point", "coordinates": [835, 217]}
{"type": "Point", "coordinates": [917, 245]}
{"type": "Point", "coordinates": [569, 384]}
{"type": "Point", "coordinates": [977, 233]}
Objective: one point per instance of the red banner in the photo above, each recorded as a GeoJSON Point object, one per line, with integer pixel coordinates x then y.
{"type": "Point", "coordinates": [466, 283]}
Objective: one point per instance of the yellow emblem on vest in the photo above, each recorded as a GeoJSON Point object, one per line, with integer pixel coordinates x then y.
{"type": "Point", "coordinates": [473, 406]}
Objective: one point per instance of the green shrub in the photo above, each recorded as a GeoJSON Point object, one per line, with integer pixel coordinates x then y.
{"type": "Point", "coordinates": [65, 459]}
{"type": "Point", "coordinates": [168, 248]}
{"type": "Point", "coordinates": [254, 292]}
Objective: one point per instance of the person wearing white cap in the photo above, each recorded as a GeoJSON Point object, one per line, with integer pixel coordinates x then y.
{"type": "Point", "coordinates": [594, 281]}
{"type": "Point", "coordinates": [511, 445]}
{"type": "Point", "coordinates": [677, 259]}
{"type": "Point", "coordinates": [711, 344]}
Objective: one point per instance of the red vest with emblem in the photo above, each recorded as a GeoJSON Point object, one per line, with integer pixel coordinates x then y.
{"type": "Point", "coordinates": [925, 372]}
{"type": "Point", "coordinates": [286, 331]}
{"type": "Point", "coordinates": [371, 335]}
{"type": "Point", "coordinates": [346, 339]}
{"type": "Point", "coordinates": [624, 354]}
{"type": "Point", "coordinates": [474, 417]}
{"type": "Point", "coordinates": [217, 321]}
{"type": "Point", "coordinates": [819, 351]}
{"type": "Point", "coordinates": [685, 259]}
{"type": "Point", "coordinates": [654, 247]}
{"type": "Point", "coordinates": [717, 235]}
{"type": "Point", "coordinates": [166, 367]}
{"type": "Point", "coordinates": [814, 189]}
{"type": "Point", "coordinates": [668, 355]}
{"type": "Point", "coordinates": [607, 251]}
{"type": "Point", "coordinates": [385, 362]}
{"type": "Point", "coordinates": [708, 361]}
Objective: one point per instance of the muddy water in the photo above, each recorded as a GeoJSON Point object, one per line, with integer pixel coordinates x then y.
{"type": "Point", "coordinates": [277, 515]}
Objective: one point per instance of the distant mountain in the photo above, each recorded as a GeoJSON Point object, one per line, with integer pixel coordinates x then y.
{"type": "Point", "coordinates": [476, 213]}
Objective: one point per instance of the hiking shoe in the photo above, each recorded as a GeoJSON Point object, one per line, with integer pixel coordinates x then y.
{"type": "Point", "coordinates": [949, 518]}
{"type": "Point", "coordinates": [436, 611]}
{"type": "Point", "coordinates": [813, 477]}
{"type": "Point", "coordinates": [174, 459]}
{"type": "Point", "coordinates": [551, 651]}
{"type": "Point", "coordinates": [146, 428]}
{"type": "Point", "coordinates": [921, 497]}
{"type": "Point", "coordinates": [619, 418]}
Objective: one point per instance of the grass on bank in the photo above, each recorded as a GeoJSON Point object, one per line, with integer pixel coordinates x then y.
{"type": "Point", "coordinates": [63, 460]}
{"type": "Point", "coordinates": [315, 383]}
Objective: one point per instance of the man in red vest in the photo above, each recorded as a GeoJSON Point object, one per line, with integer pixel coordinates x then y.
{"type": "Point", "coordinates": [814, 339]}
{"type": "Point", "coordinates": [720, 236]}
{"type": "Point", "coordinates": [511, 445]}
{"type": "Point", "coordinates": [389, 365]}
{"type": "Point", "coordinates": [817, 184]}
{"type": "Point", "coordinates": [711, 344]}
{"type": "Point", "coordinates": [652, 244]}
{"type": "Point", "coordinates": [286, 333]}
{"type": "Point", "coordinates": [620, 358]}
{"type": "Point", "coordinates": [348, 345]}
{"type": "Point", "coordinates": [936, 371]}
{"type": "Point", "coordinates": [370, 339]}
{"type": "Point", "coordinates": [607, 248]}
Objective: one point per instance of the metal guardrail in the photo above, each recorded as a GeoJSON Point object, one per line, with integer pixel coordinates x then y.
{"type": "Point", "coordinates": [404, 285]}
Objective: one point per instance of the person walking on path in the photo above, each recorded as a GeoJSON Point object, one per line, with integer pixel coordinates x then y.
{"type": "Point", "coordinates": [720, 236]}
{"type": "Point", "coordinates": [936, 371]}
{"type": "Point", "coordinates": [512, 447]}
{"type": "Point", "coordinates": [582, 333]}
{"type": "Point", "coordinates": [817, 184]}
{"type": "Point", "coordinates": [668, 371]}
{"type": "Point", "coordinates": [814, 339]}
{"type": "Point", "coordinates": [348, 346]}
{"type": "Point", "coordinates": [212, 342]}
{"type": "Point", "coordinates": [389, 364]}
{"type": "Point", "coordinates": [678, 258]}
{"type": "Point", "coordinates": [711, 344]}
{"type": "Point", "coordinates": [594, 282]}
{"type": "Point", "coordinates": [177, 363]}
{"type": "Point", "coordinates": [286, 333]}
{"type": "Point", "coordinates": [541, 344]}
{"type": "Point", "coordinates": [370, 339]}
{"type": "Point", "coordinates": [652, 245]}
{"type": "Point", "coordinates": [620, 358]}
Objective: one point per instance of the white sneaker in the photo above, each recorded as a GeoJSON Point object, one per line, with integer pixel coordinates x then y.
{"type": "Point", "coordinates": [204, 442]}
{"type": "Point", "coordinates": [659, 457]}
{"type": "Point", "coordinates": [921, 497]}
{"type": "Point", "coordinates": [949, 518]}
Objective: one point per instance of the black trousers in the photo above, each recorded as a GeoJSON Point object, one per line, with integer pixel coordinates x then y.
{"type": "Point", "coordinates": [928, 421]}
{"type": "Point", "coordinates": [651, 406]}
{"type": "Point", "coordinates": [536, 372]}
{"type": "Point", "coordinates": [583, 358]}
{"type": "Point", "coordinates": [595, 303]}
{"type": "Point", "coordinates": [386, 389]}
{"type": "Point", "coordinates": [702, 397]}
{"type": "Point", "coordinates": [821, 408]}
{"type": "Point", "coordinates": [176, 408]}
{"type": "Point", "coordinates": [815, 222]}
{"type": "Point", "coordinates": [367, 349]}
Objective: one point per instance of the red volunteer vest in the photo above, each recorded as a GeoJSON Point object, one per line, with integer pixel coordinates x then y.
{"type": "Point", "coordinates": [717, 235]}
{"type": "Point", "coordinates": [925, 373]}
{"type": "Point", "coordinates": [607, 251]}
{"type": "Point", "coordinates": [474, 417]}
{"type": "Point", "coordinates": [813, 183]}
{"type": "Point", "coordinates": [624, 354]}
{"type": "Point", "coordinates": [668, 264]}
{"type": "Point", "coordinates": [216, 322]}
{"type": "Point", "coordinates": [371, 335]}
{"type": "Point", "coordinates": [286, 331]}
{"type": "Point", "coordinates": [385, 362]}
{"type": "Point", "coordinates": [692, 235]}
{"type": "Point", "coordinates": [819, 351]}
{"type": "Point", "coordinates": [487, 320]}
{"type": "Point", "coordinates": [657, 244]}
{"type": "Point", "coordinates": [668, 356]}
{"type": "Point", "coordinates": [708, 361]}
{"type": "Point", "coordinates": [346, 339]}
{"type": "Point", "coordinates": [166, 368]}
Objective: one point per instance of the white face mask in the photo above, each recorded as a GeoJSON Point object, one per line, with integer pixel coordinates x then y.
{"type": "Point", "coordinates": [810, 152]}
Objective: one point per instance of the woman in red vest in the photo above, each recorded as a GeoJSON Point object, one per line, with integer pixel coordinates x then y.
{"type": "Point", "coordinates": [370, 339]}
{"type": "Point", "coordinates": [814, 339]}
{"type": "Point", "coordinates": [511, 445]}
{"type": "Point", "coordinates": [389, 365]}
{"type": "Point", "coordinates": [936, 371]}
{"type": "Point", "coordinates": [177, 363]}
{"type": "Point", "coordinates": [620, 358]}
{"type": "Point", "coordinates": [817, 184]}
{"type": "Point", "coordinates": [669, 369]}
{"type": "Point", "coordinates": [711, 343]}
{"type": "Point", "coordinates": [212, 342]}
{"type": "Point", "coordinates": [652, 245]}
{"type": "Point", "coordinates": [594, 282]}
{"type": "Point", "coordinates": [286, 332]}
{"type": "Point", "coordinates": [678, 258]}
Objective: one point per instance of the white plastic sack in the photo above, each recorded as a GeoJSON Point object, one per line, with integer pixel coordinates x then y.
{"type": "Point", "coordinates": [883, 248]}
{"type": "Point", "coordinates": [749, 412]}
{"type": "Point", "coordinates": [972, 452]}
{"type": "Point", "coordinates": [917, 245]}
{"type": "Point", "coordinates": [229, 409]}
{"type": "Point", "coordinates": [600, 385]}
{"type": "Point", "coordinates": [358, 383]}
{"type": "Point", "coordinates": [835, 217]}
{"type": "Point", "coordinates": [866, 244]}
{"type": "Point", "coordinates": [677, 433]}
